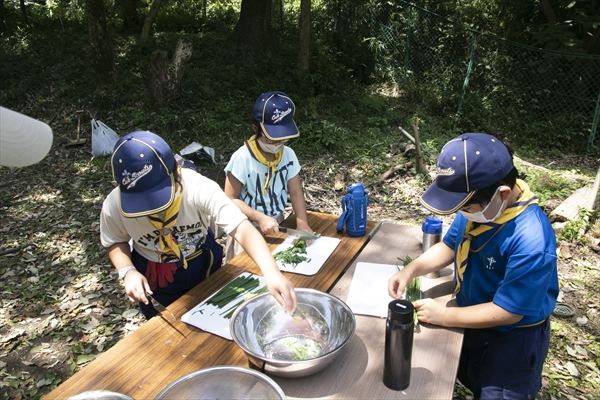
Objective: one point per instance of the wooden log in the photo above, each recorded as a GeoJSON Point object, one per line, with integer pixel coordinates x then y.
{"type": "Point", "coordinates": [387, 174]}
{"type": "Point", "coordinates": [419, 167]}
{"type": "Point", "coordinates": [408, 135]}
{"type": "Point", "coordinates": [583, 198]}
{"type": "Point", "coordinates": [165, 76]}
{"type": "Point", "coordinates": [568, 210]}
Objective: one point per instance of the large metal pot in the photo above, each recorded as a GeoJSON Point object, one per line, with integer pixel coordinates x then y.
{"type": "Point", "coordinates": [293, 345]}
{"type": "Point", "coordinates": [223, 382]}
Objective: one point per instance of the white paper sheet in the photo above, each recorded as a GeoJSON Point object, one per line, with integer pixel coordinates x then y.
{"type": "Point", "coordinates": [317, 252]}
{"type": "Point", "coordinates": [210, 318]}
{"type": "Point", "coordinates": [368, 293]}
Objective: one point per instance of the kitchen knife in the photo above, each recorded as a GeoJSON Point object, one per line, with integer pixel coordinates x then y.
{"type": "Point", "coordinates": [165, 314]}
{"type": "Point", "coordinates": [299, 234]}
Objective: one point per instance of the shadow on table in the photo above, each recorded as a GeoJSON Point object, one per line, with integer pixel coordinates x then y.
{"type": "Point", "coordinates": [352, 360]}
{"type": "Point", "coordinates": [439, 290]}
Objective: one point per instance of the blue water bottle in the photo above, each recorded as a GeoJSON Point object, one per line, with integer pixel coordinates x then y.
{"type": "Point", "coordinates": [354, 211]}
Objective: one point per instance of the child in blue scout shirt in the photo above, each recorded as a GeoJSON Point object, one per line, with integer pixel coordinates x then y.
{"type": "Point", "coordinates": [504, 253]}
{"type": "Point", "coordinates": [263, 172]}
{"type": "Point", "coordinates": [165, 211]}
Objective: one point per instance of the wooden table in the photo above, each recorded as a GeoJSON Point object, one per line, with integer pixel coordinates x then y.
{"type": "Point", "coordinates": [358, 372]}
{"type": "Point", "coordinates": [143, 363]}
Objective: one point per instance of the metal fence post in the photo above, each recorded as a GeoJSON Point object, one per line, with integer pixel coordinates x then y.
{"type": "Point", "coordinates": [408, 40]}
{"type": "Point", "coordinates": [468, 74]}
{"type": "Point", "coordinates": [595, 123]}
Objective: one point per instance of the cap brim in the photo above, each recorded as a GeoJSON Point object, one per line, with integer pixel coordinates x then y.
{"type": "Point", "coordinates": [280, 131]}
{"type": "Point", "coordinates": [151, 201]}
{"type": "Point", "coordinates": [441, 201]}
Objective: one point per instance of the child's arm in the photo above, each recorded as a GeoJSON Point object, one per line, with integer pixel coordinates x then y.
{"type": "Point", "coordinates": [298, 203]}
{"type": "Point", "coordinates": [136, 284]}
{"type": "Point", "coordinates": [256, 247]}
{"type": "Point", "coordinates": [233, 189]}
{"type": "Point", "coordinates": [480, 316]}
{"type": "Point", "coordinates": [434, 259]}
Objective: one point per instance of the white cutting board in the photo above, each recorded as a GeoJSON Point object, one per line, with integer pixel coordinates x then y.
{"type": "Point", "coordinates": [317, 252]}
{"type": "Point", "coordinates": [368, 293]}
{"type": "Point", "coordinates": [210, 318]}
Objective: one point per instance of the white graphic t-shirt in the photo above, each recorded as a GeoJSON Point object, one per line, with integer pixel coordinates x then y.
{"type": "Point", "coordinates": [204, 204]}
{"type": "Point", "coordinates": [253, 174]}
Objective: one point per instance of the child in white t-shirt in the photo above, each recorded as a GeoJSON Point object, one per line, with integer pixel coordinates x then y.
{"type": "Point", "coordinates": [264, 172]}
{"type": "Point", "coordinates": [166, 212]}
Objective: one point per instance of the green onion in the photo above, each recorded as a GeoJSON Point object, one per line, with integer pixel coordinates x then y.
{"type": "Point", "coordinates": [233, 290]}
{"type": "Point", "coordinates": [413, 290]}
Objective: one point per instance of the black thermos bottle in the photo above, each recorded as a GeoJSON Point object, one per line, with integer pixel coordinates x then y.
{"type": "Point", "coordinates": [398, 344]}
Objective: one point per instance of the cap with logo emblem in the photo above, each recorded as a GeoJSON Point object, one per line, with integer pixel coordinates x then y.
{"type": "Point", "coordinates": [468, 163]}
{"type": "Point", "coordinates": [274, 112]}
{"type": "Point", "coordinates": [142, 165]}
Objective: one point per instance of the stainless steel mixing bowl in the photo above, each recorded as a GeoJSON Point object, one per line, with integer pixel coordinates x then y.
{"type": "Point", "coordinates": [293, 345]}
{"type": "Point", "coordinates": [100, 395]}
{"type": "Point", "coordinates": [223, 382]}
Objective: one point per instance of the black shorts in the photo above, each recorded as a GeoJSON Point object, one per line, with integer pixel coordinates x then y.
{"type": "Point", "coordinates": [504, 365]}
{"type": "Point", "coordinates": [199, 267]}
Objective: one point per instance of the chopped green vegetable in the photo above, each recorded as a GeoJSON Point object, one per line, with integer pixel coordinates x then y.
{"type": "Point", "coordinates": [413, 290]}
{"type": "Point", "coordinates": [293, 255]}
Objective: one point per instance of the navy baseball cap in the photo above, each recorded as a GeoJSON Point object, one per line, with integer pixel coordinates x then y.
{"type": "Point", "coordinates": [142, 165]}
{"type": "Point", "coordinates": [274, 112]}
{"type": "Point", "coordinates": [466, 164]}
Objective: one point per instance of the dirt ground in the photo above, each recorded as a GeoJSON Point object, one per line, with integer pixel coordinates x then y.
{"type": "Point", "coordinates": [62, 304]}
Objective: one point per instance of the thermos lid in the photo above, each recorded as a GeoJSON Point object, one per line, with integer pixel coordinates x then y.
{"type": "Point", "coordinates": [401, 311]}
{"type": "Point", "coordinates": [432, 225]}
{"type": "Point", "coordinates": [356, 187]}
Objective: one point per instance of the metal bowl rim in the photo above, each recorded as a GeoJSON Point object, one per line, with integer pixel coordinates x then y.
{"type": "Point", "coordinates": [207, 370]}
{"type": "Point", "coordinates": [299, 362]}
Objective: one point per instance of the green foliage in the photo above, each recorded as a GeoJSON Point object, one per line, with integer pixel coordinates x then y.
{"type": "Point", "coordinates": [548, 185]}
{"type": "Point", "coordinates": [575, 229]}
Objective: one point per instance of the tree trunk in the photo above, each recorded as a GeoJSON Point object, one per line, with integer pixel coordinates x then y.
{"type": "Point", "coordinates": [148, 21]}
{"type": "Point", "coordinates": [100, 37]}
{"type": "Point", "coordinates": [548, 12]}
{"type": "Point", "coordinates": [24, 12]}
{"type": "Point", "coordinates": [2, 16]}
{"type": "Point", "coordinates": [165, 77]}
{"type": "Point", "coordinates": [304, 48]}
{"type": "Point", "coordinates": [130, 15]}
{"type": "Point", "coordinates": [159, 68]}
{"type": "Point", "coordinates": [252, 32]}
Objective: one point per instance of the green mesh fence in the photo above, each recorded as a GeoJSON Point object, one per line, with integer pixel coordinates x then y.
{"type": "Point", "coordinates": [486, 82]}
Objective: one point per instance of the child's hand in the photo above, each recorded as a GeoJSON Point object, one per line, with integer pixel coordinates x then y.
{"type": "Point", "coordinates": [283, 290]}
{"type": "Point", "coordinates": [267, 225]}
{"type": "Point", "coordinates": [398, 282]}
{"type": "Point", "coordinates": [136, 286]}
{"type": "Point", "coordinates": [430, 311]}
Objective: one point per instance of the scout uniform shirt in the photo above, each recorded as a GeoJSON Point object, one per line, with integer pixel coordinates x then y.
{"type": "Point", "coordinates": [203, 205]}
{"type": "Point", "coordinates": [513, 266]}
{"type": "Point", "coordinates": [252, 175]}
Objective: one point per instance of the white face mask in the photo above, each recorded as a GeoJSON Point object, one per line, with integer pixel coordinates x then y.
{"type": "Point", "coordinates": [269, 148]}
{"type": "Point", "coordinates": [493, 210]}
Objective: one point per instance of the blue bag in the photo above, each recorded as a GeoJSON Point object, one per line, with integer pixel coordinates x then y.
{"type": "Point", "coordinates": [354, 211]}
